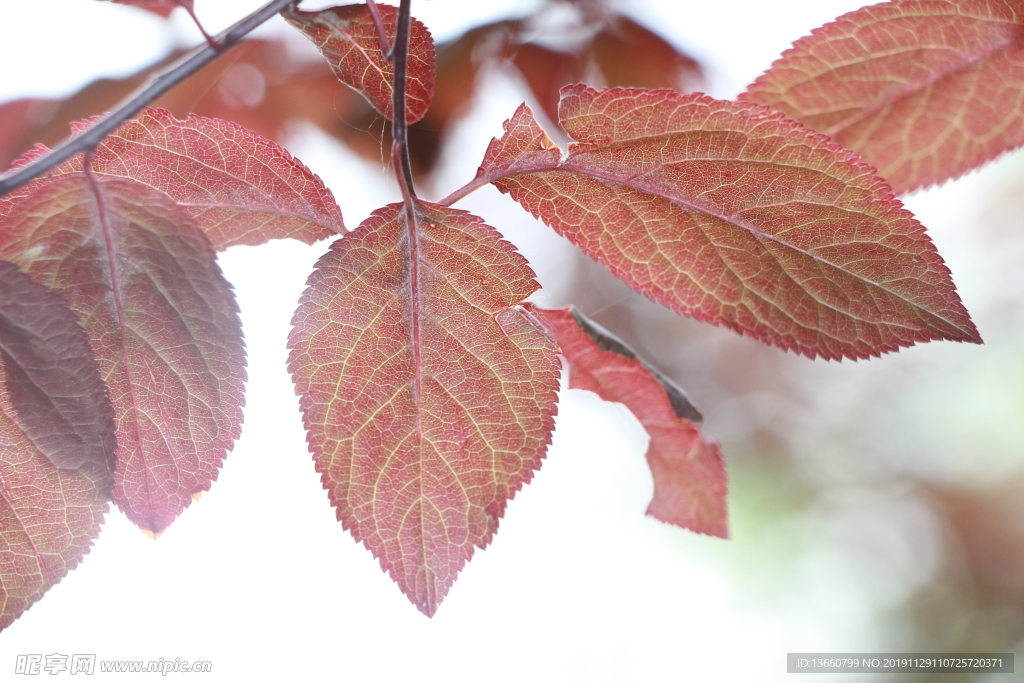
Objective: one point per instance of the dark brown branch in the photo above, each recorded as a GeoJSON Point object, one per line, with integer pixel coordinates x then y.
{"type": "Point", "coordinates": [158, 85]}
{"type": "Point", "coordinates": [399, 127]}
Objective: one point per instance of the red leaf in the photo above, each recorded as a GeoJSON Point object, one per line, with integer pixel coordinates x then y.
{"type": "Point", "coordinates": [428, 396]}
{"type": "Point", "coordinates": [162, 322]}
{"type": "Point", "coordinates": [56, 443]}
{"type": "Point", "coordinates": [239, 187]}
{"type": "Point", "coordinates": [347, 37]}
{"type": "Point", "coordinates": [631, 55]}
{"type": "Point", "coordinates": [546, 71]}
{"type": "Point", "coordinates": [161, 7]}
{"type": "Point", "coordinates": [925, 90]}
{"type": "Point", "coordinates": [689, 473]}
{"type": "Point", "coordinates": [734, 215]}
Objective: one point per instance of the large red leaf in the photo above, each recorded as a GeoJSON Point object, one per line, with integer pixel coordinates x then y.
{"type": "Point", "coordinates": [161, 320]}
{"type": "Point", "coordinates": [689, 473]}
{"type": "Point", "coordinates": [732, 214]}
{"type": "Point", "coordinates": [428, 395]}
{"type": "Point", "coordinates": [347, 37]}
{"type": "Point", "coordinates": [925, 90]}
{"type": "Point", "coordinates": [239, 187]}
{"type": "Point", "coordinates": [56, 442]}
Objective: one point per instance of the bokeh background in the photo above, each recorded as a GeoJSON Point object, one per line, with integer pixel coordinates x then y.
{"type": "Point", "coordinates": [875, 506]}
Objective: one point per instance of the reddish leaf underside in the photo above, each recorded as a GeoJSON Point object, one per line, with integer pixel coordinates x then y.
{"type": "Point", "coordinates": [52, 380]}
{"type": "Point", "coordinates": [161, 320]}
{"type": "Point", "coordinates": [238, 186]}
{"type": "Point", "coordinates": [689, 472]}
{"type": "Point", "coordinates": [53, 495]}
{"type": "Point", "coordinates": [925, 90]}
{"type": "Point", "coordinates": [347, 37]}
{"type": "Point", "coordinates": [732, 214]}
{"type": "Point", "coordinates": [428, 395]}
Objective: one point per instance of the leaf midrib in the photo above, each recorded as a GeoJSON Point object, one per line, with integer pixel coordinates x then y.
{"type": "Point", "coordinates": [568, 167]}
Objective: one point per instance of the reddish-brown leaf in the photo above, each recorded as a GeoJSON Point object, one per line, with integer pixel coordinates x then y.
{"type": "Point", "coordinates": [161, 320]}
{"type": "Point", "coordinates": [689, 473]}
{"type": "Point", "coordinates": [56, 442]}
{"type": "Point", "coordinates": [730, 213]}
{"type": "Point", "coordinates": [630, 55]}
{"type": "Point", "coordinates": [239, 187]}
{"type": "Point", "coordinates": [621, 51]}
{"type": "Point", "coordinates": [347, 37]}
{"type": "Point", "coordinates": [546, 71]}
{"type": "Point", "coordinates": [262, 85]}
{"type": "Point", "coordinates": [925, 90]}
{"type": "Point", "coordinates": [428, 395]}
{"type": "Point", "coordinates": [161, 7]}
{"type": "Point", "coordinates": [18, 119]}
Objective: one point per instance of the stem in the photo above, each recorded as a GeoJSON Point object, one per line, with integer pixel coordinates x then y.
{"type": "Point", "coordinates": [210, 40]}
{"type": "Point", "coordinates": [158, 85]}
{"type": "Point", "coordinates": [399, 127]}
{"type": "Point", "coordinates": [470, 187]}
{"type": "Point", "coordinates": [382, 33]}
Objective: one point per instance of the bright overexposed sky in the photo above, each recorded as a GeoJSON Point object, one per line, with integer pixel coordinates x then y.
{"type": "Point", "coordinates": [258, 576]}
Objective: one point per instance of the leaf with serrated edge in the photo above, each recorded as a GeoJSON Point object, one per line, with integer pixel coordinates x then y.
{"type": "Point", "coordinates": [161, 320]}
{"type": "Point", "coordinates": [689, 473]}
{"type": "Point", "coordinates": [428, 395]}
{"type": "Point", "coordinates": [347, 37]}
{"type": "Point", "coordinates": [56, 443]}
{"type": "Point", "coordinates": [239, 187]}
{"type": "Point", "coordinates": [925, 90]}
{"type": "Point", "coordinates": [733, 214]}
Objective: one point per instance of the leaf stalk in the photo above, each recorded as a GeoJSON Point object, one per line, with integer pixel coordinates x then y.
{"type": "Point", "coordinates": [399, 125]}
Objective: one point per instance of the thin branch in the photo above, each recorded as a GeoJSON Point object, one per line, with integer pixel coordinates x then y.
{"type": "Point", "coordinates": [382, 33]}
{"type": "Point", "coordinates": [158, 85]}
{"type": "Point", "coordinates": [399, 126]}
